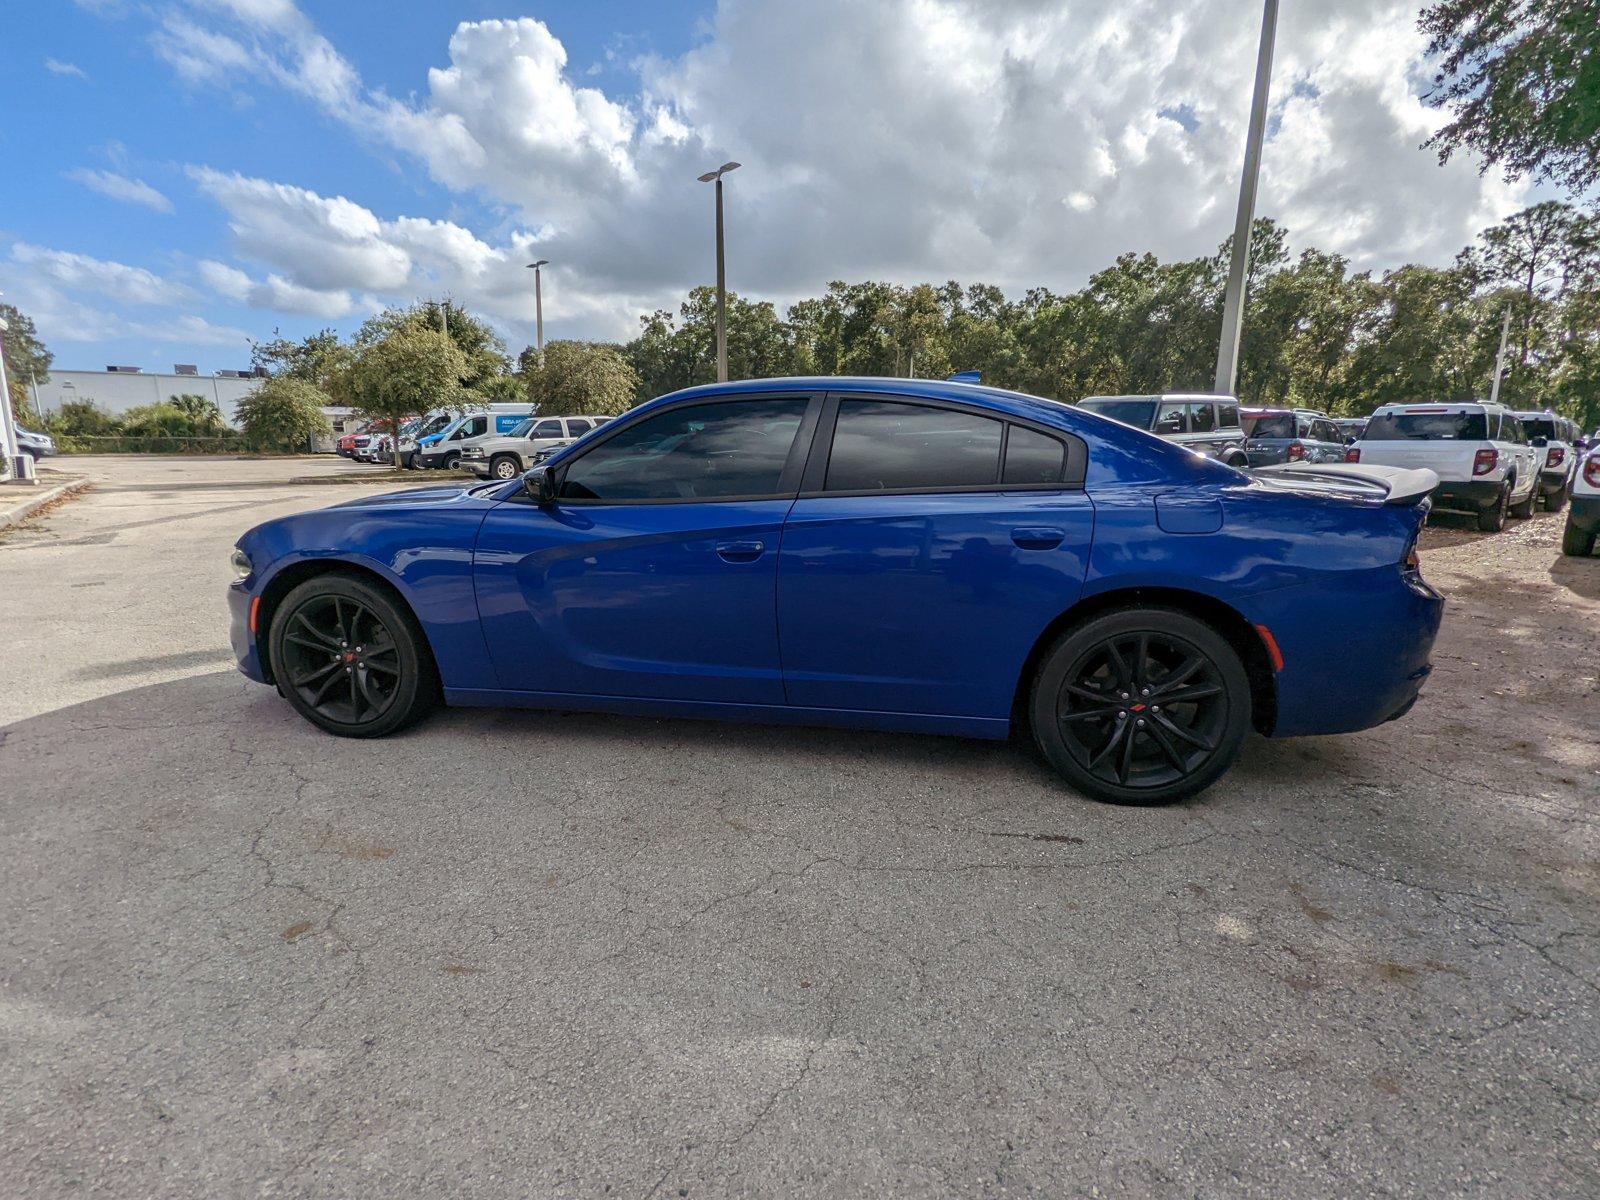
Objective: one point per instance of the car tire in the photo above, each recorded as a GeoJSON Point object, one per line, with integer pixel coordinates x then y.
{"type": "Point", "coordinates": [1493, 519]}
{"type": "Point", "coordinates": [505, 466]}
{"type": "Point", "coordinates": [451, 461]}
{"type": "Point", "coordinates": [1094, 713]}
{"type": "Point", "coordinates": [1575, 542]}
{"type": "Point", "coordinates": [334, 627]}
{"type": "Point", "coordinates": [1557, 500]}
{"type": "Point", "coordinates": [1523, 509]}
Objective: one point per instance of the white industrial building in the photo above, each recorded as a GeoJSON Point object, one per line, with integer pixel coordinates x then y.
{"type": "Point", "coordinates": [117, 389]}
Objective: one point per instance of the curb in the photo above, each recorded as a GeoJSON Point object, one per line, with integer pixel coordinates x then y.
{"type": "Point", "coordinates": [19, 514]}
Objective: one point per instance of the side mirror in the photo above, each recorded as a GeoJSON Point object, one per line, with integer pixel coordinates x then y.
{"type": "Point", "coordinates": [540, 485]}
{"type": "Point", "coordinates": [1541, 441]}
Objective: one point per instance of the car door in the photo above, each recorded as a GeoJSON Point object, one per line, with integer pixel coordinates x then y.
{"type": "Point", "coordinates": [1327, 445]}
{"type": "Point", "coordinates": [1203, 437]}
{"type": "Point", "coordinates": [547, 433]}
{"type": "Point", "coordinates": [652, 574]}
{"type": "Point", "coordinates": [931, 545]}
{"type": "Point", "coordinates": [1172, 421]}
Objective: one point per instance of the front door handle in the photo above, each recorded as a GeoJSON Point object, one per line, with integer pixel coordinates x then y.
{"type": "Point", "coordinates": [740, 552]}
{"type": "Point", "coordinates": [1035, 537]}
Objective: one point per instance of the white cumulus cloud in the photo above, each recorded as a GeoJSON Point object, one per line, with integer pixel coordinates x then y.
{"type": "Point", "coordinates": [121, 187]}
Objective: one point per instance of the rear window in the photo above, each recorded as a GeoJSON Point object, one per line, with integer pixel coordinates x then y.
{"type": "Point", "coordinates": [1268, 425]}
{"type": "Point", "coordinates": [1541, 427]}
{"type": "Point", "coordinates": [1426, 427]}
{"type": "Point", "coordinates": [1130, 412]}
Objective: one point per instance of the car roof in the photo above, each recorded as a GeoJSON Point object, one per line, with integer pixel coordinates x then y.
{"type": "Point", "coordinates": [1443, 406]}
{"type": "Point", "coordinates": [1189, 396]}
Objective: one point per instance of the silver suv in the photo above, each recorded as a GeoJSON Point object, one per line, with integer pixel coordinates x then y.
{"type": "Point", "coordinates": [509, 456]}
{"type": "Point", "coordinates": [1201, 422]}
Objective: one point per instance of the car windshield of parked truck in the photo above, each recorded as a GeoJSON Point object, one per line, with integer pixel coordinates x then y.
{"type": "Point", "coordinates": [1426, 427]}
{"type": "Point", "coordinates": [1267, 425]}
{"type": "Point", "coordinates": [1544, 427]}
{"type": "Point", "coordinates": [1130, 412]}
{"type": "Point", "coordinates": [522, 427]}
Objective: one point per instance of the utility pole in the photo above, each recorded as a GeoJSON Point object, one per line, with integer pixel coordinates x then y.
{"type": "Point", "coordinates": [1233, 298]}
{"type": "Point", "coordinates": [10, 451]}
{"type": "Point", "coordinates": [722, 274]}
{"type": "Point", "coordinates": [1500, 358]}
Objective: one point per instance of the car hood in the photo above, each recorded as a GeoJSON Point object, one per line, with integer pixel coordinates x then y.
{"type": "Point", "coordinates": [428, 497]}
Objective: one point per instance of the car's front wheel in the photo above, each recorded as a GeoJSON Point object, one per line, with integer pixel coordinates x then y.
{"type": "Point", "coordinates": [505, 466]}
{"type": "Point", "coordinates": [1578, 543]}
{"type": "Point", "coordinates": [350, 659]}
{"type": "Point", "coordinates": [1141, 706]}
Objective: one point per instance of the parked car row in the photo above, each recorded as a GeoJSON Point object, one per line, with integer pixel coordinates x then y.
{"type": "Point", "coordinates": [1490, 461]}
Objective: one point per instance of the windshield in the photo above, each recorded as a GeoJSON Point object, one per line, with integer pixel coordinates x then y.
{"type": "Point", "coordinates": [1544, 427]}
{"type": "Point", "coordinates": [521, 428]}
{"type": "Point", "coordinates": [1268, 425]}
{"type": "Point", "coordinates": [1137, 413]}
{"type": "Point", "coordinates": [1426, 427]}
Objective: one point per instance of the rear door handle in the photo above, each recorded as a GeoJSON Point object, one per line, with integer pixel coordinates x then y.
{"type": "Point", "coordinates": [740, 552]}
{"type": "Point", "coordinates": [1038, 537]}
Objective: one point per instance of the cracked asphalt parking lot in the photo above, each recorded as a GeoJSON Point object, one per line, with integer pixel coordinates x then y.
{"type": "Point", "coordinates": [536, 954]}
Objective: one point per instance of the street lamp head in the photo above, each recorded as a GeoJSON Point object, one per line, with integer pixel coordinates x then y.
{"type": "Point", "coordinates": [713, 176]}
{"type": "Point", "coordinates": [543, 262]}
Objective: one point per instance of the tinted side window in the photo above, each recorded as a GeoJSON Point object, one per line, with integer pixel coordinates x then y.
{"type": "Point", "coordinates": [1227, 416]}
{"type": "Point", "coordinates": [577, 427]}
{"type": "Point", "coordinates": [1172, 418]}
{"type": "Point", "coordinates": [884, 446]}
{"type": "Point", "coordinates": [1324, 431]}
{"type": "Point", "coordinates": [1202, 418]}
{"type": "Point", "coordinates": [701, 452]}
{"type": "Point", "coordinates": [548, 429]}
{"type": "Point", "coordinates": [1033, 457]}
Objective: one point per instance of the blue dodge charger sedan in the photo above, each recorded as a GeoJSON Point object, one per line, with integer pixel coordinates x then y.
{"type": "Point", "coordinates": [877, 553]}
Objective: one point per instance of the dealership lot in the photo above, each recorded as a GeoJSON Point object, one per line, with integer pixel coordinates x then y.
{"type": "Point", "coordinates": [520, 953]}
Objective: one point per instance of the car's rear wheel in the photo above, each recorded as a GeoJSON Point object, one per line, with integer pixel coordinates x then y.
{"type": "Point", "coordinates": [1578, 543]}
{"type": "Point", "coordinates": [1523, 509]}
{"type": "Point", "coordinates": [350, 659]}
{"type": "Point", "coordinates": [1493, 519]}
{"type": "Point", "coordinates": [1557, 500]}
{"type": "Point", "coordinates": [505, 466]}
{"type": "Point", "coordinates": [1141, 706]}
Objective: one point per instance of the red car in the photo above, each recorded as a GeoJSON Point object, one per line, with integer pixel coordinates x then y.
{"type": "Point", "coordinates": [347, 444]}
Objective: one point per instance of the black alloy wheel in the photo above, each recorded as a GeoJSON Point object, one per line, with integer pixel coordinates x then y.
{"type": "Point", "coordinates": [349, 658]}
{"type": "Point", "coordinates": [1141, 706]}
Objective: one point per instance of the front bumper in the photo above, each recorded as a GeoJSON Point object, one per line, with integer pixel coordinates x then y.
{"type": "Point", "coordinates": [243, 641]}
{"type": "Point", "coordinates": [1473, 494]}
{"type": "Point", "coordinates": [430, 457]}
{"type": "Point", "coordinates": [478, 466]}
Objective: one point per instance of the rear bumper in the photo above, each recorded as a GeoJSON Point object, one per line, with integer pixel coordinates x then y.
{"type": "Point", "coordinates": [1584, 513]}
{"type": "Point", "coordinates": [1356, 650]}
{"type": "Point", "coordinates": [239, 635]}
{"type": "Point", "coordinates": [1551, 482]}
{"type": "Point", "coordinates": [1476, 493]}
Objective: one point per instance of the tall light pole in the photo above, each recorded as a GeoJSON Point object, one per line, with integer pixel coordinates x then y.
{"type": "Point", "coordinates": [538, 306]}
{"type": "Point", "coordinates": [722, 274]}
{"type": "Point", "coordinates": [1500, 358]}
{"type": "Point", "coordinates": [10, 451]}
{"type": "Point", "coordinates": [1233, 298]}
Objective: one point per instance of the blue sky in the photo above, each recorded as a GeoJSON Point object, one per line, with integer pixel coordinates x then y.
{"type": "Point", "coordinates": [199, 172]}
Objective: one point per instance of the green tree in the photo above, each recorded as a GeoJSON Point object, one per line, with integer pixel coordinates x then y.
{"type": "Point", "coordinates": [283, 415]}
{"type": "Point", "coordinates": [1521, 81]}
{"type": "Point", "coordinates": [316, 359]}
{"type": "Point", "coordinates": [404, 373]}
{"type": "Point", "coordinates": [26, 359]}
{"type": "Point", "coordinates": [202, 413]}
{"type": "Point", "coordinates": [581, 377]}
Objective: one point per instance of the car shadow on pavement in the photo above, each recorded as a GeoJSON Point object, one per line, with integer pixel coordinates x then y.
{"type": "Point", "coordinates": [1580, 576]}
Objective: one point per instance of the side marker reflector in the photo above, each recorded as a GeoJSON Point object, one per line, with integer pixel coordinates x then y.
{"type": "Point", "coordinates": [255, 607]}
{"type": "Point", "coordinates": [1271, 643]}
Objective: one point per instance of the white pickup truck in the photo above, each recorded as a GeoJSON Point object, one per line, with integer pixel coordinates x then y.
{"type": "Point", "coordinates": [508, 456]}
{"type": "Point", "coordinates": [1480, 452]}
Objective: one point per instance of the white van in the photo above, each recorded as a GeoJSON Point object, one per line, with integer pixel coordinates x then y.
{"type": "Point", "coordinates": [443, 449]}
{"type": "Point", "coordinates": [1481, 453]}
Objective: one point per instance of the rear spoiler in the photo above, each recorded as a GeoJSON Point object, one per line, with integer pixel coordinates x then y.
{"type": "Point", "coordinates": [1401, 485]}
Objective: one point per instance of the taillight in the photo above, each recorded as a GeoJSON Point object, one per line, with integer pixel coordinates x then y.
{"type": "Point", "coordinates": [1484, 461]}
{"type": "Point", "coordinates": [1353, 454]}
{"type": "Point", "coordinates": [1556, 457]}
{"type": "Point", "coordinates": [1296, 451]}
{"type": "Point", "coordinates": [1591, 472]}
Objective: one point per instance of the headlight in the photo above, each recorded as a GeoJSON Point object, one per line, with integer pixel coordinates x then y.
{"type": "Point", "coordinates": [241, 563]}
